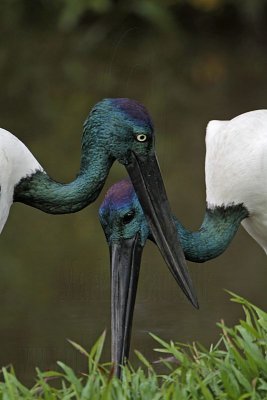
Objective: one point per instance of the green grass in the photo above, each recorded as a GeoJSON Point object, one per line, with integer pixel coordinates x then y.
{"type": "Point", "coordinates": [235, 368]}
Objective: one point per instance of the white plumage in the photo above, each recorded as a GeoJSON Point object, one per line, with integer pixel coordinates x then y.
{"type": "Point", "coordinates": [16, 162]}
{"type": "Point", "coordinates": [236, 168]}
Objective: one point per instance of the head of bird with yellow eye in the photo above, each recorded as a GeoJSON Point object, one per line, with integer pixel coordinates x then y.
{"type": "Point", "coordinates": [122, 125]}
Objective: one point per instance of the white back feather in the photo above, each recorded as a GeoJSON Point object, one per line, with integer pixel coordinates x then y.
{"type": "Point", "coordinates": [16, 162]}
{"type": "Point", "coordinates": [236, 168]}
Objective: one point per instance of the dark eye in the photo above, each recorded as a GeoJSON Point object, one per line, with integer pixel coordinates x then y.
{"type": "Point", "coordinates": [128, 217]}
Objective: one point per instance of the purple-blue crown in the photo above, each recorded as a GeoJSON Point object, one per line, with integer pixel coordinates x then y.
{"type": "Point", "coordinates": [119, 195]}
{"type": "Point", "coordinates": [133, 109]}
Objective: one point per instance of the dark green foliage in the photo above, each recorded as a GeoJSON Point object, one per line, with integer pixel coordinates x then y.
{"type": "Point", "coordinates": [235, 368]}
{"type": "Point", "coordinates": [162, 14]}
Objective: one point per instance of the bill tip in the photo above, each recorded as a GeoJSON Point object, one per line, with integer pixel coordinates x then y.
{"type": "Point", "coordinates": [194, 302]}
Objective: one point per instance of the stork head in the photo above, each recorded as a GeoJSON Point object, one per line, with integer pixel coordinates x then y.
{"type": "Point", "coordinates": [121, 215]}
{"type": "Point", "coordinates": [123, 126]}
{"type": "Point", "coordinates": [126, 230]}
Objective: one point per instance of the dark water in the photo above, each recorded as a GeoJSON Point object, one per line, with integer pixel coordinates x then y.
{"type": "Point", "coordinates": [54, 275]}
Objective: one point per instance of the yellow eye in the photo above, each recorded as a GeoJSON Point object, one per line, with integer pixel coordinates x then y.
{"type": "Point", "coordinates": [141, 138]}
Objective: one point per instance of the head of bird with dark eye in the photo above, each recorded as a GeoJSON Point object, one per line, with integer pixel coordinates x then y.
{"type": "Point", "coordinates": [123, 126]}
{"type": "Point", "coordinates": [124, 225]}
{"type": "Point", "coordinates": [121, 215]}
{"type": "Point", "coordinates": [126, 230]}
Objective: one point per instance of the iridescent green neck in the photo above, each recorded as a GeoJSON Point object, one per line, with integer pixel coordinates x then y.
{"type": "Point", "coordinates": [40, 191]}
{"type": "Point", "coordinates": [215, 234]}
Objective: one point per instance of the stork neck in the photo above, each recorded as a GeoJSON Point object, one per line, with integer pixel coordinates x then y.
{"type": "Point", "coordinates": [40, 191]}
{"type": "Point", "coordinates": [215, 234]}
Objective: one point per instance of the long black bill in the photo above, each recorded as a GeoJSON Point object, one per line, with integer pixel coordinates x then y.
{"type": "Point", "coordinates": [125, 259]}
{"type": "Point", "coordinates": [148, 184]}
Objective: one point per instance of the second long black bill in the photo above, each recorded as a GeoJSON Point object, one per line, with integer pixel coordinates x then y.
{"type": "Point", "coordinates": [125, 260]}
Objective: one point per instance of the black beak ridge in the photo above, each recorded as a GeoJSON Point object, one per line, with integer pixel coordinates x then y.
{"type": "Point", "coordinates": [148, 184]}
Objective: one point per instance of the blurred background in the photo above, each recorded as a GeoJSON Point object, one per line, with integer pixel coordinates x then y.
{"type": "Point", "coordinates": [188, 61]}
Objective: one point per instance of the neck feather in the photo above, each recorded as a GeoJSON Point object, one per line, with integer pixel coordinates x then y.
{"type": "Point", "coordinates": [215, 234]}
{"type": "Point", "coordinates": [40, 191]}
